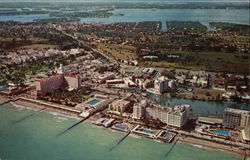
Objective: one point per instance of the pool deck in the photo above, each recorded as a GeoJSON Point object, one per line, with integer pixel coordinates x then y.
{"type": "Point", "coordinates": [128, 127]}
{"type": "Point", "coordinates": [216, 133]}
{"type": "Point", "coordinates": [94, 102]}
{"type": "Point", "coordinates": [138, 128]}
{"type": "Point", "coordinates": [221, 132]}
{"type": "Point", "coordinates": [121, 130]}
{"type": "Point", "coordinates": [97, 101]}
{"type": "Point", "coordinates": [164, 132]}
{"type": "Point", "coordinates": [3, 88]}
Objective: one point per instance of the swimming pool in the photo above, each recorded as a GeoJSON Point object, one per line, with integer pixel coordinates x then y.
{"type": "Point", "coordinates": [4, 88]}
{"type": "Point", "coordinates": [120, 127]}
{"type": "Point", "coordinates": [146, 131]}
{"type": "Point", "coordinates": [224, 133]}
{"type": "Point", "coordinates": [94, 102]}
{"type": "Point", "coordinates": [167, 136]}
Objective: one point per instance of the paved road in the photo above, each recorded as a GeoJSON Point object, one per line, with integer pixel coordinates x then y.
{"type": "Point", "coordinates": [82, 44]}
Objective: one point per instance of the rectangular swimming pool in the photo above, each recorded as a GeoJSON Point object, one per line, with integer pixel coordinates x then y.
{"type": "Point", "coordinates": [224, 133]}
{"type": "Point", "coordinates": [94, 102]}
{"type": "Point", "coordinates": [146, 131]}
{"type": "Point", "coordinates": [167, 136]}
{"type": "Point", "coordinates": [4, 88]}
{"type": "Point", "coordinates": [120, 127]}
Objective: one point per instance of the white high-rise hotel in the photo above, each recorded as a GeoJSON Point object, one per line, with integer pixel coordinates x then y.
{"type": "Point", "coordinates": [176, 116]}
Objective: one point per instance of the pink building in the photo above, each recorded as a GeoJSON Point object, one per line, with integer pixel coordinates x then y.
{"type": "Point", "coordinates": [73, 81]}
{"type": "Point", "coordinates": [60, 80]}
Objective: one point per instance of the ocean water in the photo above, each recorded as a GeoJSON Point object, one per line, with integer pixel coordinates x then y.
{"type": "Point", "coordinates": [35, 138]}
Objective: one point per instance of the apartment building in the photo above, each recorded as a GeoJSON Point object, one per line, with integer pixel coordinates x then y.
{"type": "Point", "coordinates": [176, 116]}
{"type": "Point", "coordinates": [233, 118]}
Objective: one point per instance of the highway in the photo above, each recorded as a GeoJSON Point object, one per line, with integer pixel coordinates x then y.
{"type": "Point", "coordinates": [84, 45]}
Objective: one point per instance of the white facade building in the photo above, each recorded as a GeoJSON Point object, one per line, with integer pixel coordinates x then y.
{"type": "Point", "coordinates": [162, 84]}
{"type": "Point", "coordinates": [175, 117]}
{"type": "Point", "coordinates": [236, 118]}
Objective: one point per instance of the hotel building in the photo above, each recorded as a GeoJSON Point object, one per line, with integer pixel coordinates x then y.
{"type": "Point", "coordinates": [119, 106]}
{"type": "Point", "coordinates": [236, 118]}
{"type": "Point", "coordinates": [176, 116]}
{"type": "Point", "coordinates": [139, 110]}
{"type": "Point", "coordinates": [60, 80]}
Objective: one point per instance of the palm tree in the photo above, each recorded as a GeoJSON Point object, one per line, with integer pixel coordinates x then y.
{"type": "Point", "coordinates": [18, 78]}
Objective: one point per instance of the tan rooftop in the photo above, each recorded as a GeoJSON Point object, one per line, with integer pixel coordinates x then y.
{"type": "Point", "coordinates": [246, 133]}
{"type": "Point", "coordinates": [210, 120]}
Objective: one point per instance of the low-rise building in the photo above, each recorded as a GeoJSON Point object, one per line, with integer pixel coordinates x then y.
{"type": "Point", "coordinates": [106, 76]}
{"type": "Point", "coordinates": [202, 82]}
{"type": "Point", "coordinates": [210, 121]}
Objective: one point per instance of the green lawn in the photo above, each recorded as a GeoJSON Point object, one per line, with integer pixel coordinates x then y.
{"type": "Point", "coordinates": [210, 61]}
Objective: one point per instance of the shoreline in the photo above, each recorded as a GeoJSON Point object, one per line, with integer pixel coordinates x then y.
{"type": "Point", "coordinates": [3, 99]}
{"type": "Point", "coordinates": [198, 143]}
{"type": "Point", "coordinates": [213, 146]}
{"type": "Point", "coordinates": [49, 111]}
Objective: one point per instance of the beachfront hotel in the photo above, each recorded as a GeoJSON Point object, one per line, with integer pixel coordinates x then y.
{"type": "Point", "coordinates": [236, 118]}
{"type": "Point", "coordinates": [60, 80]}
{"type": "Point", "coordinates": [118, 106]}
{"type": "Point", "coordinates": [176, 116]}
{"type": "Point", "coordinates": [139, 110]}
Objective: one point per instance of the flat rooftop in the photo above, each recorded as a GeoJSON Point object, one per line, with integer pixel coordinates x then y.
{"type": "Point", "coordinates": [210, 120]}
{"type": "Point", "coordinates": [246, 134]}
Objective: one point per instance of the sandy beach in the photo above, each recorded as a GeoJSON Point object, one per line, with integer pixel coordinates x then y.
{"type": "Point", "coordinates": [3, 99]}
{"type": "Point", "coordinates": [37, 107]}
{"type": "Point", "coordinates": [211, 145]}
